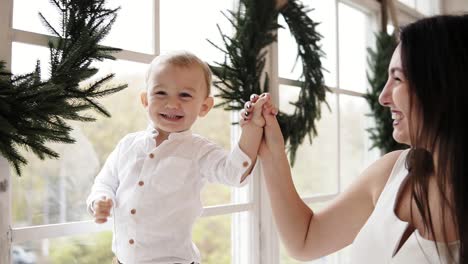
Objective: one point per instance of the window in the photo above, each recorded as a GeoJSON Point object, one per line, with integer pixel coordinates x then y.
{"type": "Point", "coordinates": [48, 214]}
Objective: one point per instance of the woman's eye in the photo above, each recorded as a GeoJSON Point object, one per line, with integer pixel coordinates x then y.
{"type": "Point", "coordinates": [396, 79]}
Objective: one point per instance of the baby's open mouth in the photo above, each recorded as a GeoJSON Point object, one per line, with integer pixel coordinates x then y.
{"type": "Point", "coordinates": [172, 117]}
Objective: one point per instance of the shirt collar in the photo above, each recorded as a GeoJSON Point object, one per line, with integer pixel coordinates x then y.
{"type": "Point", "coordinates": [152, 133]}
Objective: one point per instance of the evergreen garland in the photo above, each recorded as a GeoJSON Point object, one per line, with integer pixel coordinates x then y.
{"type": "Point", "coordinates": [378, 62]}
{"type": "Point", "coordinates": [240, 74]}
{"type": "Point", "coordinates": [33, 111]}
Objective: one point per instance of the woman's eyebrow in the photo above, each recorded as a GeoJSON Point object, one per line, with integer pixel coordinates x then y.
{"type": "Point", "coordinates": [395, 69]}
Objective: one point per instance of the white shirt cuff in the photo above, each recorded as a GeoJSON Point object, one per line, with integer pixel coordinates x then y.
{"type": "Point", "coordinates": [242, 162]}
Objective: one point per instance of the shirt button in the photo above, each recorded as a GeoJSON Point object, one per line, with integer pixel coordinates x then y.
{"type": "Point", "coordinates": [141, 183]}
{"type": "Point", "coordinates": [151, 155]}
{"type": "Point", "coordinates": [131, 241]}
{"type": "Point", "coordinates": [133, 211]}
{"type": "Point", "coordinates": [245, 164]}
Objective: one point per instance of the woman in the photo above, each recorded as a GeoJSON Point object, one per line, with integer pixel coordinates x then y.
{"type": "Point", "coordinates": [409, 206]}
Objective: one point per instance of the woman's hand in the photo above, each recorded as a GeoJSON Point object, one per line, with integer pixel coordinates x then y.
{"type": "Point", "coordinates": [273, 141]}
{"type": "Point", "coordinates": [252, 112]}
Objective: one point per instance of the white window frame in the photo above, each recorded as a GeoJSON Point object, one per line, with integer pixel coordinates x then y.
{"type": "Point", "coordinates": [263, 241]}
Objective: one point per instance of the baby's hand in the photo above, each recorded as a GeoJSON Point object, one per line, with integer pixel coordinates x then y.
{"type": "Point", "coordinates": [252, 112]}
{"type": "Point", "coordinates": [102, 210]}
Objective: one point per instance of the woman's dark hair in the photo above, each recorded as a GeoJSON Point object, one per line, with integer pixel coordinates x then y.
{"type": "Point", "coordinates": [434, 54]}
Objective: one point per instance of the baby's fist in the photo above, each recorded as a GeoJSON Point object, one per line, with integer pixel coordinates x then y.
{"type": "Point", "coordinates": [102, 210]}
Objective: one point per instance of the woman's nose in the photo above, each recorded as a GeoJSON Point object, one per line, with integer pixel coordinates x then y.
{"type": "Point", "coordinates": [385, 97]}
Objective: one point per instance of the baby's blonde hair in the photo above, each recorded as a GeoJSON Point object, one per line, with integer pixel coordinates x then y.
{"type": "Point", "coordinates": [182, 59]}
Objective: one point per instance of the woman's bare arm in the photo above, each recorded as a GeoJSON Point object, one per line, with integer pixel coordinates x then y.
{"type": "Point", "coordinates": [308, 235]}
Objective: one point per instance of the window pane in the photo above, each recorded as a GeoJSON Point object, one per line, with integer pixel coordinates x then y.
{"type": "Point", "coordinates": [212, 235]}
{"type": "Point", "coordinates": [26, 15]}
{"type": "Point", "coordinates": [353, 29]}
{"type": "Point", "coordinates": [83, 249]}
{"type": "Point", "coordinates": [186, 25]}
{"type": "Point", "coordinates": [54, 191]}
{"type": "Point", "coordinates": [315, 168]}
{"type": "Point", "coordinates": [324, 13]}
{"type": "Point", "coordinates": [25, 57]}
{"type": "Point", "coordinates": [215, 126]}
{"type": "Point", "coordinates": [133, 29]}
{"type": "Point", "coordinates": [355, 143]}
{"type": "Point", "coordinates": [49, 183]}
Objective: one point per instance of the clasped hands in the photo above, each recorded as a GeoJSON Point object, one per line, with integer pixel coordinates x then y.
{"type": "Point", "coordinates": [261, 112]}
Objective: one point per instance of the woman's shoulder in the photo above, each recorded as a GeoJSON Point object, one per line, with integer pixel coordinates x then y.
{"type": "Point", "coordinates": [380, 171]}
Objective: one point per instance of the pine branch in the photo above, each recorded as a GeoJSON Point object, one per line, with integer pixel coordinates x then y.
{"type": "Point", "coordinates": [33, 112]}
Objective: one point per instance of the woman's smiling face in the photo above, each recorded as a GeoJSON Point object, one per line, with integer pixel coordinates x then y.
{"type": "Point", "coordinates": [396, 96]}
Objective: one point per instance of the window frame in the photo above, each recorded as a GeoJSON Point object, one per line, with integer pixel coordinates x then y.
{"type": "Point", "coordinates": [263, 242]}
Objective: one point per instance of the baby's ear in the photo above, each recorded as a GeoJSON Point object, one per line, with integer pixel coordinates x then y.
{"type": "Point", "coordinates": [144, 98]}
{"type": "Point", "coordinates": [206, 106]}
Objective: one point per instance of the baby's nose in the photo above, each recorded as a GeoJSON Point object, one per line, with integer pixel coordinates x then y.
{"type": "Point", "coordinates": [173, 103]}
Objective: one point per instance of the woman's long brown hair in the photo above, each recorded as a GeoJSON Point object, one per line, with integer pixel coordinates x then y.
{"type": "Point", "coordinates": [434, 53]}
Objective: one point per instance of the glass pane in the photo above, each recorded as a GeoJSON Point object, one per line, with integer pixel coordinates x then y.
{"type": "Point", "coordinates": [25, 57]}
{"type": "Point", "coordinates": [83, 249]}
{"type": "Point", "coordinates": [43, 195]}
{"type": "Point", "coordinates": [315, 168]}
{"type": "Point", "coordinates": [324, 13]}
{"type": "Point", "coordinates": [26, 15]}
{"type": "Point", "coordinates": [188, 28]}
{"type": "Point", "coordinates": [215, 126]}
{"type": "Point", "coordinates": [212, 235]}
{"type": "Point", "coordinates": [128, 115]}
{"type": "Point", "coordinates": [339, 257]}
{"type": "Point", "coordinates": [353, 29]}
{"type": "Point", "coordinates": [355, 143]}
{"type": "Point", "coordinates": [133, 29]}
{"type": "Point", "coordinates": [54, 191]}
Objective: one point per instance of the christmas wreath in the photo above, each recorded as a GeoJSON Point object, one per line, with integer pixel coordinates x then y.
{"type": "Point", "coordinates": [240, 75]}
{"type": "Point", "coordinates": [34, 111]}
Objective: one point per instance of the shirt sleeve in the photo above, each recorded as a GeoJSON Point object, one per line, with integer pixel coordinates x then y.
{"type": "Point", "coordinates": [220, 166]}
{"type": "Point", "coordinates": [106, 182]}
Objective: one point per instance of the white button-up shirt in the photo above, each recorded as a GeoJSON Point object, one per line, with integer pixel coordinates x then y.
{"type": "Point", "coordinates": [156, 192]}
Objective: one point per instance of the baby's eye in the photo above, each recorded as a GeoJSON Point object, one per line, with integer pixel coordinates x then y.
{"type": "Point", "coordinates": [185, 95]}
{"type": "Point", "coordinates": [160, 93]}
